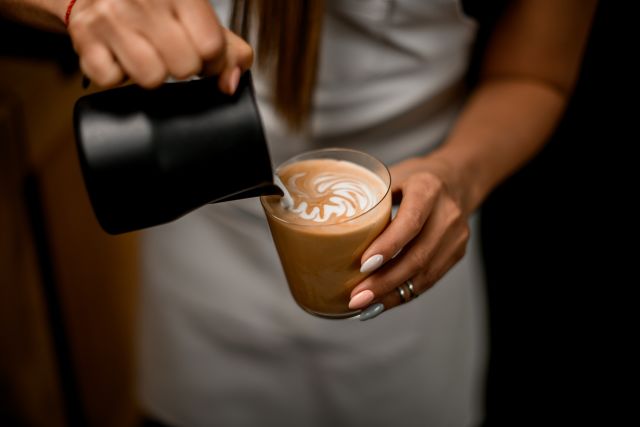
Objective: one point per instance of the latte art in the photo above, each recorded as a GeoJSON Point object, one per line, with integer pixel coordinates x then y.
{"type": "Point", "coordinates": [330, 191]}
{"type": "Point", "coordinates": [319, 198]}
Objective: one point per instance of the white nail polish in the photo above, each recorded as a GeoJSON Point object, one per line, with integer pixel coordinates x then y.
{"type": "Point", "coordinates": [371, 264]}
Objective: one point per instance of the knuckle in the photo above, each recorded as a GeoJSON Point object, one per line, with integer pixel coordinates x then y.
{"type": "Point", "coordinates": [419, 259]}
{"type": "Point", "coordinates": [426, 184]}
{"type": "Point", "coordinates": [413, 221]}
{"type": "Point", "coordinates": [101, 80]}
{"type": "Point", "coordinates": [435, 184]}
{"type": "Point", "coordinates": [213, 46]}
{"type": "Point", "coordinates": [455, 214]}
{"type": "Point", "coordinates": [97, 75]}
{"type": "Point", "coordinates": [466, 233]}
{"type": "Point", "coordinates": [97, 16]}
{"type": "Point", "coordinates": [187, 69]}
{"type": "Point", "coordinates": [429, 180]}
{"type": "Point", "coordinates": [100, 76]}
{"type": "Point", "coordinates": [154, 82]}
{"type": "Point", "coordinates": [246, 54]}
{"type": "Point", "coordinates": [112, 77]}
{"type": "Point", "coordinates": [195, 68]}
{"type": "Point", "coordinates": [106, 10]}
{"type": "Point", "coordinates": [90, 67]}
{"type": "Point", "coordinates": [152, 79]}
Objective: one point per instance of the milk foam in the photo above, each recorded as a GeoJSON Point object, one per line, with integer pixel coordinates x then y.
{"type": "Point", "coordinates": [331, 195]}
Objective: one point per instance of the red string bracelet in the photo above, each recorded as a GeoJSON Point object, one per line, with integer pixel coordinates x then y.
{"type": "Point", "coordinates": [66, 15]}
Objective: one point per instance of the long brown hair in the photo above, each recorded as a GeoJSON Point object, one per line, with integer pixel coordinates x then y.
{"type": "Point", "coordinates": [287, 48]}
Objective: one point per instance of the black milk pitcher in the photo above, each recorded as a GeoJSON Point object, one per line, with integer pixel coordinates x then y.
{"type": "Point", "coordinates": [150, 156]}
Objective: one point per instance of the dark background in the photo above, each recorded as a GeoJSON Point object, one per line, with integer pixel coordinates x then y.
{"type": "Point", "coordinates": [557, 241]}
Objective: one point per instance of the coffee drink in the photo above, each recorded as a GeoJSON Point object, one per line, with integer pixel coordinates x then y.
{"type": "Point", "coordinates": [341, 203]}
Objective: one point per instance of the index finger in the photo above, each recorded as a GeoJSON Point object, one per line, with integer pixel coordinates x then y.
{"type": "Point", "coordinates": [418, 200]}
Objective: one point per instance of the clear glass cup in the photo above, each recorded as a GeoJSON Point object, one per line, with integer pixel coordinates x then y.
{"type": "Point", "coordinates": [322, 261]}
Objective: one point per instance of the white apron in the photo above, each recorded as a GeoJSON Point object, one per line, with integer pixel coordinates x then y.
{"type": "Point", "coordinates": [221, 341]}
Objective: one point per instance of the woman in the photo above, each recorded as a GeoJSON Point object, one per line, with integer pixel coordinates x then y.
{"type": "Point", "coordinates": [222, 343]}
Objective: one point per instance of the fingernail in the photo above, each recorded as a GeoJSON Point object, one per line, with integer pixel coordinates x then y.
{"type": "Point", "coordinates": [394, 211]}
{"type": "Point", "coordinates": [371, 264]}
{"type": "Point", "coordinates": [371, 311]}
{"type": "Point", "coordinates": [361, 299]}
{"type": "Point", "coordinates": [234, 79]}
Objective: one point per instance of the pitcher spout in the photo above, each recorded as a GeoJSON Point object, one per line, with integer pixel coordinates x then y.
{"type": "Point", "coordinates": [266, 189]}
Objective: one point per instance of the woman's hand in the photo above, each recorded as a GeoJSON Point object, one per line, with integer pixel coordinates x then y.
{"type": "Point", "coordinates": [148, 40]}
{"type": "Point", "coordinates": [429, 235]}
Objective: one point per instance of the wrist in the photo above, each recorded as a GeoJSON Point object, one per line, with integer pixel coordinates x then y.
{"type": "Point", "coordinates": [67, 13]}
{"type": "Point", "coordinates": [461, 176]}
{"type": "Point", "coordinates": [56, 8]}
{"type": "Point", "coordinates": [44, 14]}
{"type": "Point", "coordinates": [61, 9]}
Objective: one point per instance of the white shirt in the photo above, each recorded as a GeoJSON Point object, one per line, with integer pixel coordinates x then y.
{"type": "Point", "coordinates": [222, 341]}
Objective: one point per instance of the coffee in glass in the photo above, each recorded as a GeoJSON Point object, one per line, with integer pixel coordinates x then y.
{"type": "Point", "coordinates": [341, 203]}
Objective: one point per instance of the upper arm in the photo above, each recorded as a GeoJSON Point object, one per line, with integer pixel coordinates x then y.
{"type": "Point", "coordinates": [540, 40]}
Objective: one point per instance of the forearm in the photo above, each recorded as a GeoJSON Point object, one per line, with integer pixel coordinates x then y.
{"type": "Point", "coordinates": [45, 14]}
{"type": "Point", "coordinates": [528, 72]}
{"type": "Point", "coordinates": [503, 125]}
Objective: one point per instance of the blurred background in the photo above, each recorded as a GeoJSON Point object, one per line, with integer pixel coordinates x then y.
{"type": "Point", "coordinates": [68, 290]}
